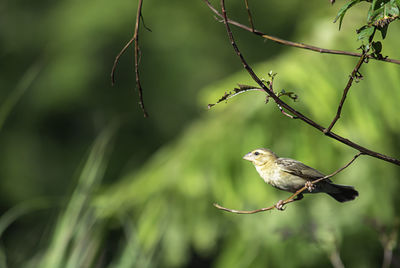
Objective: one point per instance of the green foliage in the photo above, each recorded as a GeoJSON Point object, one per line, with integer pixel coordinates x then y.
{"type": "Point", "coordinates": [365, 32]}
{"type": "Point", "coordinates": [75, 240]}
{"type": "Point", "coordinates": [343, 11]}
{"type": "Point", "coordinates": [380, 14]}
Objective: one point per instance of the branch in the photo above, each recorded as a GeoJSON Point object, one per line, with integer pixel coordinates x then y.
{"type": "Point", "coordinates": [135, 39]}
{"type": "Point", "coordinates": [294, 44]}
{"type": "Point", "coordinates": [235, 92]}
{"type": "Point", "coordinates": [117, 60]}
{"type": "Point", "coordinates": [292, 198]}
{"type": "Point", "coordinates": [137, 51]}
{"type": "Point", "coordinates": [245, 88]}
{"type": "Point", "coordinates": [292, 110]}
{"type": "Point", "coordinates": [354, 74]}
{"type": "Point", "coordinates": [249, 14]}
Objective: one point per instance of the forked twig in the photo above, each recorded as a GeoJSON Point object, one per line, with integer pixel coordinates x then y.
{"type": "Point", "coordinates": [292, 198]}
{"type": "Point", "coordinates": [354, 74]}
{"type": "Point", "coordinates": [292, 110]}
{"type": "Point", "coordinates": [249, 14]}
{"type": "Point", "coordinates": [134, 39]}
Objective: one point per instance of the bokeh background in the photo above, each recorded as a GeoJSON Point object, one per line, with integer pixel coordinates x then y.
{"type": "Point", "coordinates": [86, 181]}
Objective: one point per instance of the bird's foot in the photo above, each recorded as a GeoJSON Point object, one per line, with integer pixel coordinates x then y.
{"type": "Point", "coordinates": [310, 186]}
{"type": "Point", "coordinates": [279, 205]}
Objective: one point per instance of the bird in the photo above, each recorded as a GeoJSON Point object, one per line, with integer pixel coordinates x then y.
{"type": "Point", "coordinates": [291, 175]}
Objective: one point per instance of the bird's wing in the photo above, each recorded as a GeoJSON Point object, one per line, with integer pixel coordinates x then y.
{"type": "Point", "coordinates": [297, 168]}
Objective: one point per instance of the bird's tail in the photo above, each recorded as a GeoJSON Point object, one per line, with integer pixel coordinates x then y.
{"type": "Point", "coordinates": [342, 193]}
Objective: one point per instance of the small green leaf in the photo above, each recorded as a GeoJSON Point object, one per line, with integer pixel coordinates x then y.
{"type": "Point", "coordinates": [365, 32]}
{"type": "Point", "coordinates": [373, 5]}
{"type": "Point", "coordinates": [343, 11]}
{"type": "Point", "coordinates": [375, 14]}
{"type": "Point", "coordinates": [370, 11]}
{"type": "Point", "coordinates": [392, 10]}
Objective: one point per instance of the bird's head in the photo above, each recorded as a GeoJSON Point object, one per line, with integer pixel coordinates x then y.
{"type": "Point", "coordinates": [260, 156]}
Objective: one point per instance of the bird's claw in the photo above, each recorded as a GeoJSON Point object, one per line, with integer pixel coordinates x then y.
{"type": "Point", "coordinates": [279, 205]}
{"type": "Point", "coordinates": [310, 186]}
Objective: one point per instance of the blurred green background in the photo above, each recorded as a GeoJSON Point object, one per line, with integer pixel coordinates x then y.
{"type": "Point", "coordinates": [86, 181]}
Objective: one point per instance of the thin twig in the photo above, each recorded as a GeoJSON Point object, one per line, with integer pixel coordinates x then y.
{"type": "Point", "coordinates": [339, 170]}
{"type": "Point", "coordinates": [292, 198]}
{"type": "Point", "coordinates": [134, 39]}
{"type": "Point", "coordinates": [117, 60]}
{"type": "Point", "coordinates": [137, 51]}
{"type": "Point", "coordinates": [249, 14]}
{"type": "Point", "coordinates": [295, 44]}
{"type": "Point", "coordinates": [292, 110]}
{"type": "Point", "coordinates": [243, 211]}
{"type": "Point", "coordinates": [354, 74]}
{"type": "Point", "coordinates": [285, 113]}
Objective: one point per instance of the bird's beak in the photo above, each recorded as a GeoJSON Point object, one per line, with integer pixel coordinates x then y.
{"type": "Point", "coordinates": [248, 156]}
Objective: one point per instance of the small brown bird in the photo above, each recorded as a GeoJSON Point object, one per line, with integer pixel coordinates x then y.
{"type": "Point", "coordinates": [291, 175]}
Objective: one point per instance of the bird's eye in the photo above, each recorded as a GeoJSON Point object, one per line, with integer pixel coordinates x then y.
{"type": "Point", "coordinates": [256, 153]}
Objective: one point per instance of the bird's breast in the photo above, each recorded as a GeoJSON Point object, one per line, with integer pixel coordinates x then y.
{"type": "Point", "coordinates": [269, 173]}
{"type": "Point", "coordinates": [273, 175]}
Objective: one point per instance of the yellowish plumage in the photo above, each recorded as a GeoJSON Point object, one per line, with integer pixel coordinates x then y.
{"type": "Point", "coordinates": [291, 175]}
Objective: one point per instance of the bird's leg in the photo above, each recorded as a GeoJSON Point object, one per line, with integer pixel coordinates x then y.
{"type": "Point", "coordinates": [279, 205]}
{"type": "Point", "coordinates": [310, 186]}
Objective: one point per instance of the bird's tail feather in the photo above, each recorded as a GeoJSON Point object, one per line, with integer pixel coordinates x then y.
{"type": "Point", "coordinates": [342, 193]}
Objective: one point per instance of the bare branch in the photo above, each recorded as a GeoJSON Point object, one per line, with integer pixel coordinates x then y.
{"type": "Point", "coordinates": [137, 51]}
{"type": "Point", "coordinates": [295, 44]}
{"type": "Point", "coordinates": [292, 110]}
{"type": "Point", "coordinates": [354, 74]}
{"type": "Point", "coordinates": [339, 170]}
{"type": "Point", "coordinates": [294, 197]}
{"type": "Point", "coordinates": [243, 211]}
{"type": "Point", "coordinates": [249, 14]}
